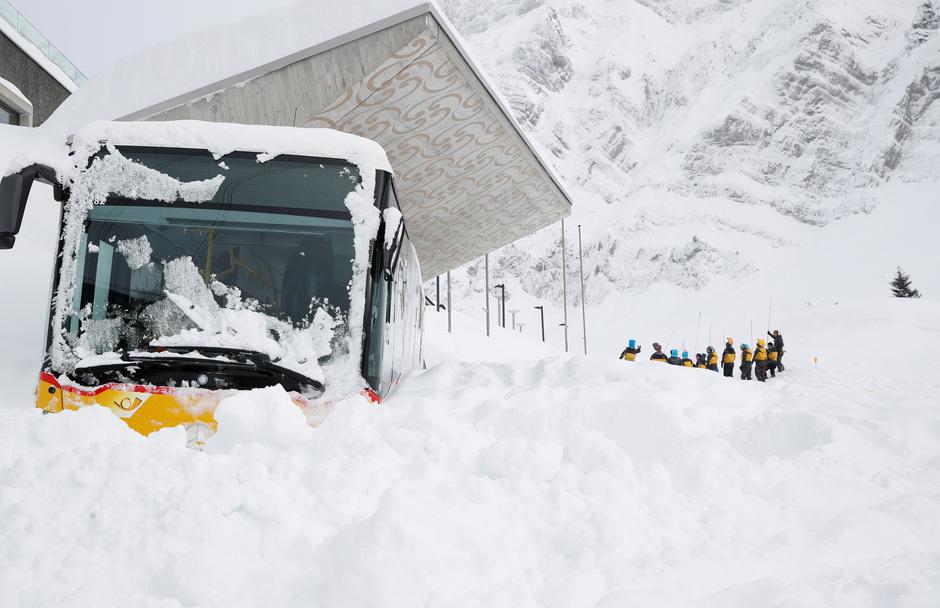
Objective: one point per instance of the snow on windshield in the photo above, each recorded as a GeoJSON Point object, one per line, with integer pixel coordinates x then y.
{"type": "Point", "coordinates": [112, 173]}
{"type": "Point", "coordinates": [237, 325]}
{"type": "Point", "coordinates": [137, 251]}
{"type": "Point", "coordinates": [197, 309]}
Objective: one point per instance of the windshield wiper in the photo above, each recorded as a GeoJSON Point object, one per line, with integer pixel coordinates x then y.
{"type": "Point", "coordinates": [241, 356]}
{"type": "Point", "coordinates": [240, 367]}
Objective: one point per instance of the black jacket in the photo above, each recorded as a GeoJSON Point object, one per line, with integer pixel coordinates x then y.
{"type": "Point", "coordinates": [658, 356]}
{"type": "Point", "coordinates": [633, 351]}
{"type": "Point", "coordinates": [674, 361]}
{"type": "Point", "coordinates": [778, 341]}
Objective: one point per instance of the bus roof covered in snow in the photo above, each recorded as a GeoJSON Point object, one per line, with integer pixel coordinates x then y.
{"type": "Point", "coordinates": [394, 71]}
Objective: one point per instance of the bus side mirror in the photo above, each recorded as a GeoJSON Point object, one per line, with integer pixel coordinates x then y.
{"type": "Point", "coordinates": [392, 249]}
{"type": "Point", "coordinates": [14, 193]}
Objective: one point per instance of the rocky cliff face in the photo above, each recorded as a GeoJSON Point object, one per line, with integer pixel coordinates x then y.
{"type": "Point", "coordinates": [802, 108]}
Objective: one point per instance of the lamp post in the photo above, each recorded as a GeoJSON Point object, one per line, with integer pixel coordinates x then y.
{"type": "Point", "coordinates": [513, 313]}
{"type": "Point", "coordinates": [437, 282]}
{"type": "Point", "coordinates": [541, 310]}
{"type": "Point", "coordinates": [583, 310]}
{"type": "Point", "coordinates": [564, 283]}
{"type": "Point", "coordinates": [520, 326]}
{"type": "Point", "coordinates": [486, 291]}
{"type": "Point", "coordinates": [450, 326]}
{"type": "Point", "coordinates": [502, 288]}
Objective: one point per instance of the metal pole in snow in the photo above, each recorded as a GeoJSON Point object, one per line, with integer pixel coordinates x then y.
{"type": "Point", "coordinates": [500, 305]}
{"type": "Point", "coordinates": [437, 282]}
{"type": "Point", "coordinates": [450, 326]}
{"type": "Point", "coordinates": [541, 310]}
{"type": "Point", "coordinates": [564, 283]}
{"type": "Point", "coordinates": [499, 309]}
{"type": "Point", "coordinates": [583, 312]}
{"type": "Point", "coordinates": [697, 325]}
{"type": "Point", "coordinates": [769, 310]}
{"type": "Point", "coordinates": [486, 290]}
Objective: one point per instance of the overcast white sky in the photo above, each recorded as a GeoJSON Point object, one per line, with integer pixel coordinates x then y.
{"type": "Point", "coordinates": [95, 33]}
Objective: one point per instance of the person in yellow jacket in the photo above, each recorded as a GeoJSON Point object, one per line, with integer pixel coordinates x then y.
{"type": "Point", "coordinates": [760, 361]}
{"type": "Point", "coordinates": [711, 359]}
{"type": "Point", "coordinates": [631, 351]}
{"type": "Point", "coordinates": [700, 361]}
{"type": "Point", "coordinates": [727, 358]}
{"type": "Point", "coordinates": [772, 356]}
{"type": "Point", "coordinates": [685, 359]}
{"type": "Point", "coordinates": [746, 357]}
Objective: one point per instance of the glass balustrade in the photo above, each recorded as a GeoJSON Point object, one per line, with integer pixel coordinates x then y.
{"type": "Point", "coordinates": [28, 31]}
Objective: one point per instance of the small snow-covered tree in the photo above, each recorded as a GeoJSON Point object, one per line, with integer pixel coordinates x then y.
{"type": "Point", "coordinates": [901, 286]}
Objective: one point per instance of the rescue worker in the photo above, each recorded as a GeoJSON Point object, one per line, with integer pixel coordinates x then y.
{"type": "Point", "coordinates": [778, 346]}
{"type": "Point", "coordinates": [711, 359]}
{"type": "Point", "coordinates": [772, 358]}
{"type": "Point", "coordinates": [685, 359]}
{"type": "Point", "coordinates": [760, 361]}
{"type": "Point", "coordinates": [746, 357]}
{"type": "Point", "coordinates": [631, 351]}
{"type": "Point", "coordinates": [700, 361]}
{"type": "Point", "coordinates": [658, 354]}
{"type": "Point", "coordinates": [727, 358]}
{"type": "Point", "coordinates": [674, 358]}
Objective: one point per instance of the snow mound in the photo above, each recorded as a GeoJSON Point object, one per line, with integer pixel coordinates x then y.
{"type": "Point", "coordinates": [557, 482]}
{"type": "Point", "coordinates": [264, 416]}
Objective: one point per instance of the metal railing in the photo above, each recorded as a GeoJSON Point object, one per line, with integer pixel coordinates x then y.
{"type": "Point", "coordinates": [28, 31]}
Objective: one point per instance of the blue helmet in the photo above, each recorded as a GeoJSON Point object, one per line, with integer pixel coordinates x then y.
{"type": "Point", "coordinates": [685, 354]}
{"type": "Point", "coordinates": [674, 353]}
{"type": "Point", "coordinates": [745, 347]}
{"type": "Point", "coordinates": [632, 343]}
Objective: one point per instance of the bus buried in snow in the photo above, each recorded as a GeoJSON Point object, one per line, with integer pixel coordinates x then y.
{"type": "Point", "coordinates": [198, 259]}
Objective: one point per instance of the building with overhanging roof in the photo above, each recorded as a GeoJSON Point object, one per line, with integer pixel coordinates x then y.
{"type": "Point", "coordinates": [395, 71]}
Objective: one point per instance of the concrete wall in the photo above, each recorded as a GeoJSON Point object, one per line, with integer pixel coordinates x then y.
{"type": "Point", "coordinates": [44, 91]}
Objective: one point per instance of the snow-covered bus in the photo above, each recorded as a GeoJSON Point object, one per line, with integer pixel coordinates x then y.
{"type": "Point", "coordinates": [197, 259]}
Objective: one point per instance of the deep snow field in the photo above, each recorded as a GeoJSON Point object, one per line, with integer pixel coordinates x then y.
{"type": "Point", "coordinates": [542, 480]}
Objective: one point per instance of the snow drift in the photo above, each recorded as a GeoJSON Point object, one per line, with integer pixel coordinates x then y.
{"type": "Point", "coordinates": [558, 482]}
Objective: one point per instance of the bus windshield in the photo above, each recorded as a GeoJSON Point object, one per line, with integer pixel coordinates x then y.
{"type": "Point", "coordinates": [271, 251]}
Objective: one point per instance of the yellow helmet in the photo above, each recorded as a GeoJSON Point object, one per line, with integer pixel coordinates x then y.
{"type": "Point", "coordinates": [760, 342]}
{"type": "Point", "coordinates": [730, 341]}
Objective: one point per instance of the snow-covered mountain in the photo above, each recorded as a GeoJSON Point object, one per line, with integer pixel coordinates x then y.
{"type": "Point", "coordinates": [694, 133]}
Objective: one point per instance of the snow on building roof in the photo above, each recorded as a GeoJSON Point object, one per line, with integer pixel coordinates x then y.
{"type": "Point", "coordinates": [12, 96]}
{"type": "Point", "coordinates": [394, 71]}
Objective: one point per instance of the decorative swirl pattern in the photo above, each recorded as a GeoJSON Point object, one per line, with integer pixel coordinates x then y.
{"type": "Point", "coordinates": [467, 182]}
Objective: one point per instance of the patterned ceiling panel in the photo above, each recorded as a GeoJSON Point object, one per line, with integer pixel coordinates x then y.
{"type": "Point", "coordinates": [467, 182]}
